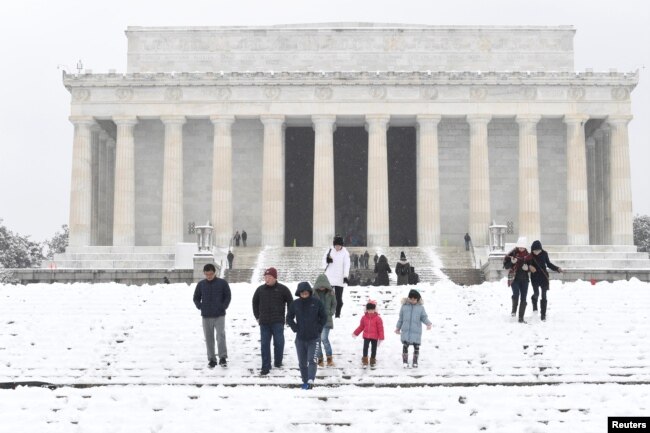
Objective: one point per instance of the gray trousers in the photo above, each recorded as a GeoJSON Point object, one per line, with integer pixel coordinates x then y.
{"type": "Point", "coordinates": [209, 326]}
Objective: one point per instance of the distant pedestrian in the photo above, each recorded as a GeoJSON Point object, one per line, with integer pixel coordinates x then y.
{"type": "Point", "coordinates": [366, 258]}
{"type": "Point", "coordinates": [237, 237]}
{"type": "Point", "coordinates": [337, 268]}
{"type": "Point", "coordinates": [230, 258]}
{"type": "Point", "coordinates": [518, 264]}
{"type": "Point", "coordinates": [409, 325]}
{"type": "Point", "coordinates": [212, 296]}
{"type": "Point", "coordinates": [306, 317]}
{"type": "Point", "coordinates": [382, 269]}
{"type": "Point", "coordinates": [402, 270]}
{"type": "Point", "coordinates": [355, 258]}
{"type": "Point", "coordinates": [376, 259]}
{"type": "Point", "coordinates": [269, 303]}
{"type": "Point", "coordinates": [244, 237]}
{"type": "Point", "coordinates": [325, 294]}
{"type": "Point", "coordinates": [539, 278]}
{"type": "Point", "coordinates": [373, 333]}
{"type": "Point", "coordinates": [468, 241]}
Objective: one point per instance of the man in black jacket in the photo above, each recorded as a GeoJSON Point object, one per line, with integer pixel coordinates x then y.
{"type": "Point", "coordinates": [540, 278]}
{"type": "Point", "coordinates": [212, 297]}
{"type": "Point", "coordinates": [269, 303]}
{"type": "Point", "coordinates": [306, 317]}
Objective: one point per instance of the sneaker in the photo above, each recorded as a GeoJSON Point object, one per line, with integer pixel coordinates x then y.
{"type": "Point", "coordinates": [278, 365]}
{"type": "Point", "coordinates": [223, 362]}
{"type": "Point", "coordinates": [212, 363]}
{"type": "Point", "coordinates": [304, 386]}
{"type": "Point", "coordinates": [264, 372]}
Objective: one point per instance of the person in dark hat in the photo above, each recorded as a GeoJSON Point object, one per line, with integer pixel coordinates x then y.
{"type": "Point", "coordinates": [540, 278]}
{"type": "Point", "coordinates": [306, 317]}
{"type": "Point", "coordinates": [230, 258]}
{"type": "Point", "coordinates": [402, 269]}
{"type": "Point", "coordinates": [409, 326]}
{"type": "Point", "coordinates": [337, 268]}
{"type": "Point", "coordinates": [269, 303]}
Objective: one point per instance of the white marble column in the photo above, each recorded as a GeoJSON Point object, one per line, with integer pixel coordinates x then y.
{"type": "Point", "coordinates": [172, 194]}
{"type": "Point", "coordinates": [529, 217]}
{"type": "Point", "coordinates": [428, 180]}
{"type": "Point", "coordinates": [81, 182]}
{"type": "Point", "coordinates": [102, 200]}
{"type": "Point", "coordinates": [95, 131]}
{"type": "Point", "coordinates": [222, 179]}
{"type": "Point", "coordinates": [273, 181]}
{"type": "Point", "coordinates": [110, 189]}
{"type": "Point", "coordinates": [620, 187]}
{"type": "Point", "coordinates": [378, 215]}
{"type": "Point", "coordinates": [576, 179]}
{"type": "Point", "coordinates": [124, 198]}
{"type": "Point", "coordinates": [479, 179]}
{"type": "Point", "coordinates": [324, 216]}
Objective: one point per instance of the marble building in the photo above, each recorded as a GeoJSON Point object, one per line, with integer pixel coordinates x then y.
{"type": "Point", "coordinates": [389, 134]}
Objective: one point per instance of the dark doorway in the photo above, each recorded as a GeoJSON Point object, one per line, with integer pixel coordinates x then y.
{"type": "Point", "coordinates": [402, 186]}
{"type": "Point", "coordinates": [299, 186]}
{"type": "Point", "coordinates": [351, 184]}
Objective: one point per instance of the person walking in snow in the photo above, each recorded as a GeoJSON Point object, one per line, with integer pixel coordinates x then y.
{"type": "Point", "coordinates": [269, 302]}
{"type": "Point", "coordinates": [306, 317]}
{"type": "Point", "coordinates": [324, 293]}
{"type": "Point", "coordinates": [366, 258]}
{"type": "Point", "coordinates": [518, 264]}
{"type": "Point", "coordinates": [237, 237]}
{"type": "Point", "coordinates": [402, 270]}
{"type": "Point", "coordinates": [468, 241]}
{"type": "Point", "coordinates": [336, 262]}
{"type": "Point", "coordinates": [382, 269]}
{"type": "Point", "coordinates": [244, 237]}
{"type": "Point", "coordinates": [539, 278]}
{"type": "Point", "coordinates": [230, 258]}
{"type": "Point", "coordinates": [373, 333]}
{"type": "Point", "coordinates": [409, 326]}
{"type": "Point", "coordinates": [212, 296]}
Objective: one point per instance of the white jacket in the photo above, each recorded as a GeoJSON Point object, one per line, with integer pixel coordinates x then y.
{"type": "Point", "coordinates": [339, 268]}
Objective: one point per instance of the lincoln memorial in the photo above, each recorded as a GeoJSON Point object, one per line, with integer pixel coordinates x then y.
{"type": "Point", "coordinates": [389, 134]}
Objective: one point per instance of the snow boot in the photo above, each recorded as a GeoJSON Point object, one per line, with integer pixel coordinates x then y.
{"type": "Point", "coordinates": [364, 361]}
{"type": "Point", "coordinates": [515, 302]}
{"type": "Point", "coordinates": [522, 310]}
{"type": "Point", "coordinates": [330, 361]}
{"type": "Point", "coordinates": [416, 355]}
{"type": "Point", "coordinates": [405, 358]}
{"type": "Point", "coordinates": [543, 306]}
{"type": "Point", "coordinates": [320, 362]}
{"type": "Point", "coordinates": [373, 362]}
{"type": "Point", "coordinates": [534, 299]}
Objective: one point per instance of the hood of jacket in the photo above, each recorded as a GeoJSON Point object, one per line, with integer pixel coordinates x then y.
{"type": "Point", "coordinates": [323, 281]}
{"type": "Point", "coordinates": [304, 286]}
{"type": "Point", "coordinates": [537, 245]}
{"type": "Point", "coordinates": [406, 301]}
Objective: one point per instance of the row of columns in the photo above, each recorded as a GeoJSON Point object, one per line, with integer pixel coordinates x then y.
{"type": "Point", "coordinates": [428, 183]}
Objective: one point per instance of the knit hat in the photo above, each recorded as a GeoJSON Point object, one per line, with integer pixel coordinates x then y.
{"type": "Point", "coordinates": [402, 256]}
{"type": "Point", "coordinates": [414, 294]}
{"type": "Point", "coordinates": [304, 287]}
{"type": "Point", "coordinates": [522, 242]}
{"type": "Point", "coordinates": [338, 240]}
{"type": "Point", "coordinates": [272, 272]}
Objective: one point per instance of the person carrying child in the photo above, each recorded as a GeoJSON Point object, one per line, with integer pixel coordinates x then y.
{"type": "Point", "coordinates": [409, 325]}
{"type": "Point", "coordinates": [373, 333]}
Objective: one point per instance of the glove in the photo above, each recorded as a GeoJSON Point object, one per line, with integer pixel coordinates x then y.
{"type": "Point", "coordinates": [524, 267]}
{"type": "Point", "coordinates": [354, 335]}
{"type": "Point", "coordinates": [513, 259]}
{"type": "Point", "coordinates": [329, 259]}
{"type": "Point", "coordinates": [345, 280]}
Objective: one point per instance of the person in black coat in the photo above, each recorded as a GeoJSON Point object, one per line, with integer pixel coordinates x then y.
{"type": "Point", "coordinates": [382, 269]}
{"type": "Point", "coordinates": [306, 317]}
{"type": "Point", "coordinates": [519, 265]}
{"type": "Point", "coordinates": [539, 278]}
{"type": "Point", "coordinates": [230, 258]}
{"type": "Point", "coordinates": [212, 296]}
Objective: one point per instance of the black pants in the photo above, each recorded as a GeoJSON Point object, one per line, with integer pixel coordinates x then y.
{"type": "Point", "coordinates": [536, 287]}
{"type": "Point", "coordinates": [373, 347]}
{"type": "Point", "coordinates": [338, 290]}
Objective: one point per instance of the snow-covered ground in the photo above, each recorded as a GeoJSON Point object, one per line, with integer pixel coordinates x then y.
{"type": "Point", "coordinates": [479, 369]}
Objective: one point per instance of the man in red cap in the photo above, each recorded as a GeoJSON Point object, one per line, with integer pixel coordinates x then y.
{"type": "Point", "coordinates": [269, 302]}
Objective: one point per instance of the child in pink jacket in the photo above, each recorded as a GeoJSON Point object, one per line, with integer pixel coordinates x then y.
{"type": "Point", "coordinates": [373, 332]}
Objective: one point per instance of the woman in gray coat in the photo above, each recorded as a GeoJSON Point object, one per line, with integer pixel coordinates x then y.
{"type": "Point", "coordinates": [411, 317]}
{"type": "Point", "coordinates": [324, 293]}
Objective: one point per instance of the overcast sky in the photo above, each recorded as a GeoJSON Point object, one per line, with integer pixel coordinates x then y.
{"type": "Point", "coordinates": [37, 38]}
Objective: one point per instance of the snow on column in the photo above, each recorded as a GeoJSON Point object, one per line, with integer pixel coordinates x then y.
{"type": "Point", "coordinates": [273, 181]}
{"type": "Point", "coordinates": [81, 184]}
{"type": "Point", "coordinates": [323, 229]}
{"type": "Point", "coordinates": [479, 178]}
{"type": "Point", "coordinates": [172, 195]}
{"type": "Point", "coordinates": [428, 181]}
{"type": "Point", "coordinates": [378, 218]}
{"type": "Point", "coordinates": [577, 193]}
{"type": "Point", "coordinates": [124, 201]}
{"type": "Point", "coordinates": [222, 179]}
{"type": "Point", "coordinates": [529, 219]}
{"type": "Point", "coordinates": [620, 188]}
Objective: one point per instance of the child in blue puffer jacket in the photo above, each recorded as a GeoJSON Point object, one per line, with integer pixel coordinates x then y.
{"type": "Point", "coordinates": [411, 317]}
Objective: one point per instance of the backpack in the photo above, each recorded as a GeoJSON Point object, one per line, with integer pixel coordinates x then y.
{"type": "Point", "coordinates": [404, 270]}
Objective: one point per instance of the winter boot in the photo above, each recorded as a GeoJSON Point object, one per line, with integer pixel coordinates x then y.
{"type": "Point", "coordinates": [534, 299]}
{"type": "Point", "coordinates": [515, 301]}
{"type": "Point", "coordinates": [522, 310]}
{"type": "Point", "coordinates": [320, 361]}
{"type": "Point", "coordinates": [364, 361]}
{"type": "Point", "coordinates": [543, 305]}
{"type": "Point", "coordinates": [330, 361]}
{"type": "Point", "coordinates": [373, 362]}
{"type": "Point", "coordinates": [415, 359]}
{"type": "Point", "coordinates": [405, 359]}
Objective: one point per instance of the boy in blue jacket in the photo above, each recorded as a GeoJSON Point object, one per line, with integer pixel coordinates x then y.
{"type": "Point", "coordinates": [409, 325]}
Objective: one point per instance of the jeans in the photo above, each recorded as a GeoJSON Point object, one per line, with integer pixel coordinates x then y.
{"type": "Point", "coordinates": [373, 347]}
{"type": "Point", "coordinates": [519, 290]}
{"type": "Point", "coordinates": [325, 341]}
{"type": "Point", "coordinates": [338, 290]}
{"type": "Point", "coordinates": [210, 324]}
{"type": "Point", "coordinates": [306, 350]}
{"type": "Point", "coordinates": [275, 331]}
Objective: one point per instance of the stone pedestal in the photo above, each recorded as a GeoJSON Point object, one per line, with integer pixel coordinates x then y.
{"type": "Point", "coordinates": [577, 193]}
{"type": "Point", "coordinates": [222, 179]}
{"type": "Point", "coordinates": [324, 225]}
{"type": "Point", "coordinates": [378, 218]}
{"type": "Point", "coordinates": [479, 178]}
{"type": "Point", "coordinates": [529, 219]}
{"type": "Point", "coordinates": [124, 201]}
{"type": "Point", "coordinates": [81, 183]}
{"type": "Point", "coordinates": [620, 188]}
{"type": "Point", "coordinates": [428, 180]}
{"type": "Point", "coordinates": [273, 182]}
{"type": "Point", "coordinates": [172, 196]}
